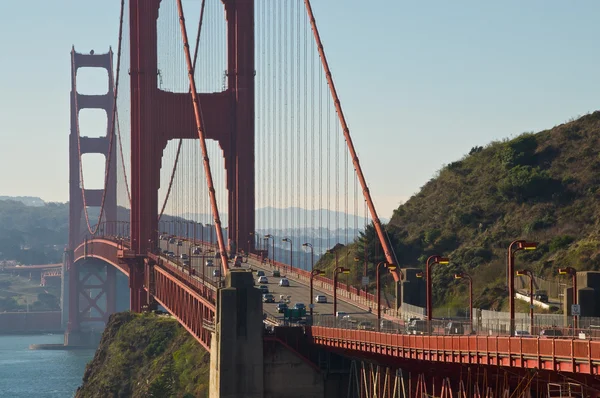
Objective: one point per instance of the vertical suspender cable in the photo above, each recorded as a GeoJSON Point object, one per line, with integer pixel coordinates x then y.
{"type": "Point", "coordinates": [361, 177]}
{"type": "Point", "coordinates": [201, 136]}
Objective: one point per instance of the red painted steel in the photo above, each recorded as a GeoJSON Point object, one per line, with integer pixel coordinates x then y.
{"type": "Point", "coordinates": [361, 178]}
{"type": "Point", "coordinates": [79, 197]}
{"type": "Point", "coordinates": [228, 117]}
{"type": "Point", "coordinates": [563, 355]}
{"type": "Point", "coordinates": [189, 300]}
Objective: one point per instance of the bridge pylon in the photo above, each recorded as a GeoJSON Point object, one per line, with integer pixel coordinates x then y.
{"type": "Point", "coordinates": [87, 284]}
{"type": "Point", "coordinates": [160, 116]}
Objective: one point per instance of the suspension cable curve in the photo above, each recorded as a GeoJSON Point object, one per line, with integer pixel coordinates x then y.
{"type": "Point", "coordinates": [110, 145]}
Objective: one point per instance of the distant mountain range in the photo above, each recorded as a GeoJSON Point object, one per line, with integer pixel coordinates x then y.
{"type": "Point", "coordinates": [297, 218]}
{"type": "Point", "coordinates": [267, 218]}
{"type": "Point", "coordinates": [26, 200]}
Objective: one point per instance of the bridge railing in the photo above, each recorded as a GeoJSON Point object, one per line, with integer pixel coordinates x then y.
{"type": "Point", "coordinates": [589, 329]}
{"type": "Point", "coordinates": [206, 288]}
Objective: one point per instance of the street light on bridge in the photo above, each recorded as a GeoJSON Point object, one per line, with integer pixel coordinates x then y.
{"type": "Point", "coordinates": [267, 237]}
{"type": "Point", "coordinates": [573, 272]}
{"type": "Point", "coordinates": [291, 251]}
{"type": "Point", "coordinates": [510, 275]}
{"type": "Point", "coordinates": [336, 271]}
{"type": "Point", "coordinates": [431, 260]}
{"type": "Point", "coordinates": [526, 272]}
{"type": "Point", "coordinates": [312, 254]}
{"type": "Point", "coordinates": [313, 273]}
{"type": "Point", "coordinates": [464, 275]}
{"type": "Point", "coordinates": [390, 267]}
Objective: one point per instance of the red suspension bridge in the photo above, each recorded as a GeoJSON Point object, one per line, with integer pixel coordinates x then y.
{"type": "Point", "coordinates": [233, 107]}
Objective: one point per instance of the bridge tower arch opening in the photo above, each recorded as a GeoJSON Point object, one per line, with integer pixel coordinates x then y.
{"type": "Point", "coordinates": [158, 116]}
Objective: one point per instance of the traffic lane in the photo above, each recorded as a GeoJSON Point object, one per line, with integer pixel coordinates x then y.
{"type": "Point", "coordinates": [299, 293]}
{"type": "Point", "coordinates": [341, 305]}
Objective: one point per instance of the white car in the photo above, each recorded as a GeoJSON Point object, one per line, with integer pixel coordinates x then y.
{"type": "Point", "coordinates": [262, 279]}
{"type": "Point", "coordinates": [284, 282]}
{"type": "Point", "coordinates": [320, 299]}
{"type": "Point", "coordinates": [522, 333]}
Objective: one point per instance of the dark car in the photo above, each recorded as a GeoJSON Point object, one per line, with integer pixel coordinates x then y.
{"type": "Point", "coordinates": [268, 298]}
{"type": "Point", "coordinates": [281, 307]}
{"type": "Point", "coordinates": [551, 333]}
{"type": "Point", "coordinates": [541, 295]}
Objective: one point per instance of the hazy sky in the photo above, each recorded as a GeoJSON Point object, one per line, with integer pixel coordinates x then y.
{"type": "Point", "coordinates": [421, 82]}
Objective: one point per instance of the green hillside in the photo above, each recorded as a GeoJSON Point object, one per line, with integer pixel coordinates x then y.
{"type": "Point", "coordinates": [542, 187]}
{"type": "Point", "coordinates": [146, 355]}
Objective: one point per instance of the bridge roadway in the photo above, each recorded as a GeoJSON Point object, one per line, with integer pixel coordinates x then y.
{"type": "Point", "coordinates": [298, 290]}
{"type": "Point", "coordinates": [30, 267]}
{"type": "Point", "coordinates": [186, 298]}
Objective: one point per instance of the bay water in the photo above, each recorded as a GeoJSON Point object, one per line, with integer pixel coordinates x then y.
{"type": "Point", "coordinates": [26, 373]}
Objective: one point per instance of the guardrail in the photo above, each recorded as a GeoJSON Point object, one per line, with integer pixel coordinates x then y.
{"type": "Point", "coordinates": [436, 327]}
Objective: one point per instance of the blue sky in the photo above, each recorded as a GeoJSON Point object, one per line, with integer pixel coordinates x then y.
{"type": "Point", "coordinates": [421, 82]}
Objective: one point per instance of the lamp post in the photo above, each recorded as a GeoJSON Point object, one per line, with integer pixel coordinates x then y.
{"type": "Point", "coordinates": [336, 271]}
{"type": "Point", "coordinates": [357, 260]}
{"type": "Point", "coordinates": [464, 275]}
{"type": "Point", "coordinates": [267, 237]}
{"type": "Point", "coordinates": [571, 271]}
{"type": "Point", "coordinates": [312, 255]}
{"type": "Point", "coordinates": [526, 272]}
{"type": "Point", "coordinates": [390, 267]}
{"type": "Point", "coordinates": [431, 260]}
{"type": "Point", "coordinates": [291, 251]}
{"type": "Point", "coordinates": [510, 275]}
{"type": "Point", "coordinates": [313, 273]}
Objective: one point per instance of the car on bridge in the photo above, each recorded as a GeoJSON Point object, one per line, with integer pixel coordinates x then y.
{"type": "Point", "coordinates": [238, 261]}
{"type": "Point", "coordinates": [284, 282]}
{"type": "Point", "coordinates": [209, 263]}
{"type": "Point", "coordinates": [320, 298]}
{"type": "Point", "coordinates": [216, 273]}
{"type": "Point", "coordinates": [281, 307]}
{"type": "Point", "coordinates": [184, 256]}
{"type": "Point", "coordinates": [276, 274]}
{"type": "Point", "coordinates": [180, 243]}
{"type": "Point", "coordinates": [300, 306]}
{"type": "Point", "coordinates": [268, 298]}
{"type": "Point", "coordinates": [522, 333]}
{"type": "Point", "coordinates": [541, 295]}
{"type": "Point", "coordinates": [551, 333]}
{"type": "Point", "coordinates": [262, 279]}
{"type": "Point", "coordinates": [418, 326]}
{"type": "Point", "coordinates": [365, 325]}
{"type": "Point", "coordinates": [197, 251]}
{"type": "Point", "coordinates": [260, 273]}
{"type": "Point", "coordinates": [264, 289]}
